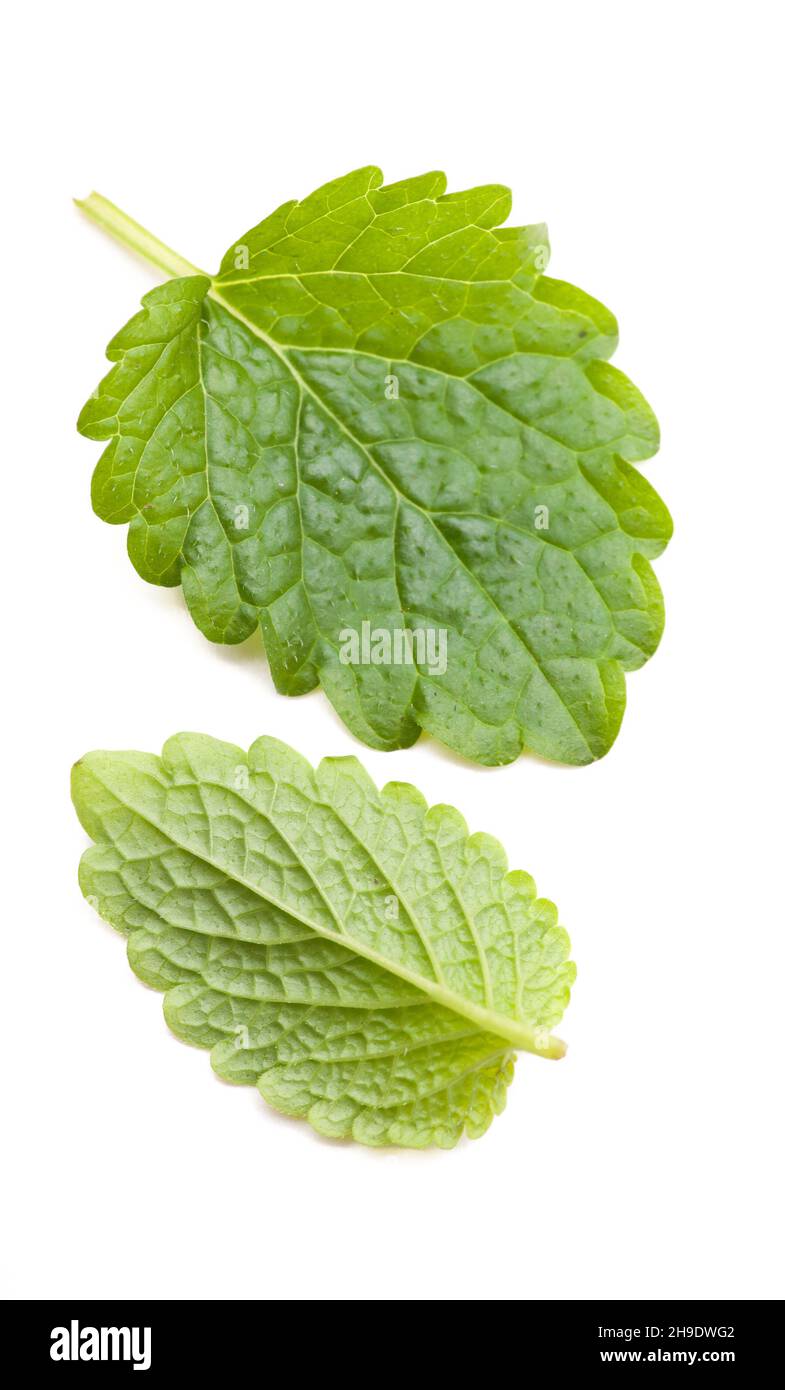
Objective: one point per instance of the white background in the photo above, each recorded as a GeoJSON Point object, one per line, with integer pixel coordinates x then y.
{"type": "Point", "coordinates": [649, 1162]}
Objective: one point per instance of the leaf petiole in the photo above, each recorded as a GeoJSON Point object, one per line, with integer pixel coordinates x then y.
{"type": "Point", "coordinates": [124, 229]}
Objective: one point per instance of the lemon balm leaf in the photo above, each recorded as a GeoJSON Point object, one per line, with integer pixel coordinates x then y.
{"type": "Point", "coordinates": [357, 955]}
{"type": "Point", "coordinates": [385, 437]}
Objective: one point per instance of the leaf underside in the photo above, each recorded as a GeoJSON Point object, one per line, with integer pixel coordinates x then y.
{"type": "Point", "coordinates": [382, 412]}
{"type": "Point", "coordinates": [357, 956]}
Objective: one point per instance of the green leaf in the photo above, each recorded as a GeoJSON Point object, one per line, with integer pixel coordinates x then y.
{"type": "Point", "coordinates": [362, 959]}
{"type": "Point", "coordinates": [381, 412]}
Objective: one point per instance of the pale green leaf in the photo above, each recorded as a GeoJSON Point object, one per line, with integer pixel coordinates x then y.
{"type": "Point", "coordinates": [361, 958]}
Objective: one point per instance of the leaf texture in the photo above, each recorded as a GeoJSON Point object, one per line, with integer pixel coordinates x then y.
{"type": "Point", "coordinates": [381, 412]}
{"type": "Point", "coordinates": [362, 959]}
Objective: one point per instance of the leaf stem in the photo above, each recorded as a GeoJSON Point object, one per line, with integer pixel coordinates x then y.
{"type": "Point", "coordinates": [123, 228]}
{"type": "Point", "coordinates": [550, 1047]}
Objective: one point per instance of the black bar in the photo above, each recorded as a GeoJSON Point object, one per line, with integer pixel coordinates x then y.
{"type": "Point", "coordinates": [227, 1337]}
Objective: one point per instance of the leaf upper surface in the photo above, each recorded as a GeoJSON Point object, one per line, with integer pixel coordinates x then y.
{"type": "Point", "coordinates": [382, 412]}
{"type": "Point", "coordinates": [361, 958]}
